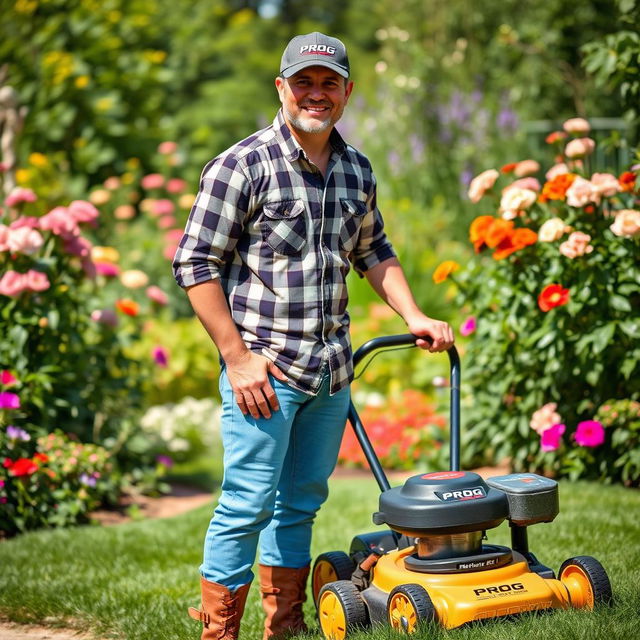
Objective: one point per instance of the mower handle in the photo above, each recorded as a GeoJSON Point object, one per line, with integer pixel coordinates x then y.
{"type": "Point", "coordinates": [407, 339]}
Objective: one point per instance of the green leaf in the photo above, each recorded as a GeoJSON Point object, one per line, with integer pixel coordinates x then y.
{"type": "Point", "coordinates": [602, 337]}
{"type": "Point", "coordinates": [620, 303]}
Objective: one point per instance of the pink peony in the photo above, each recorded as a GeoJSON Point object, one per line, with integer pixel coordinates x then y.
{"type": "Point", "coordinates": [25, 240]}
{"type": "Point", "coordinates": [12, 284]}
{"type": "Point", "coordinates": [9, 400]}
{"type": "Point", "coordinates": [157, 295]}
{"type": "Point", "coordinates": [550, 438]}
{"type": "Point", "coordinates": [25, 221]}
{"type": "Point", "coordinates": [579, 148]}
{"type": "Point", "coordinates": [152, 181]}
{"type": "Point", "coordinates": [544, 418]}
{"type": "Point", "coordinates": [176, 185]}
{"type": "Point", "coordinates": [78, 246]}
{"type": "Point", "coordinates": [526, 168]}
{"type": "Point", "coordinates": [577, 244]}
{"type": "Point", "coordinates": [481, 184]}
{"type": "Point", "coordinates": [162, 207]}
{"type": "Point", "coordinates": [107, 317]}
{"type": "Point", "coordinates": [468, 326]}
{"type": "Point", "coordinates": [576, 125]}
{"type": "Point", "coordinates": [18, 195]}
{"type": "Point", "coordinates": [83, 211]}
{"type": "Point", "coordinates": [626, 223]}
{"type": "Point", "coordinates": [7, 378]}
{"type": "Point", "coordinates": [589, 433]}
{"type": "Point", "coordinates": [60, 222]}
{"type": "Point", "coordinates": [36, 280]}
{"type": "Point", "coordinates": [581, 193]}
{"type": "Point", "coordinates": [167, 148]}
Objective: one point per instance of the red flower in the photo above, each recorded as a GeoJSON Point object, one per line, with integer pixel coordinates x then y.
{"type": "Point", "coordinates": [553, 295]}
{"type": "Point", "coordinates": [508, 168]}
{"type": "Point", "coordinates": [627, 181]}
{"type": "Point", "coordinates": [23, 467]}
{"type": "Point", "coordinates": [127, 306]}
{"type": "Point", "coordinates": [41, 457]}
{"type": "Point", "coordinates": [555, 136]}
{"type": "Point", "coordinates": [7, 462]}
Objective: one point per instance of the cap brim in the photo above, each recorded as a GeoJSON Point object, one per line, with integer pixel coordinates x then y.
{"type": "Point", "coordinates": [299, 66]}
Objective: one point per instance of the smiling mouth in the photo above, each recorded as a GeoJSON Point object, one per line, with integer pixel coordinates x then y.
{"type": "Point", "coordinates": [313, 109]}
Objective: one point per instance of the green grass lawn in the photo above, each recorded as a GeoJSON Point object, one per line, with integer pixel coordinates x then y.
{"type": "Point", "coordinates": [135, 581]}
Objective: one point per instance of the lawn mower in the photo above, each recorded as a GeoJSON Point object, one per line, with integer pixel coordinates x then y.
{"type": "Point", "coordinates": [431, 563]}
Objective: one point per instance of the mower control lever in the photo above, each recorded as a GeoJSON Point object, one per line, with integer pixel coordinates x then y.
{"type": "Point", "coordinates": [407, 339]}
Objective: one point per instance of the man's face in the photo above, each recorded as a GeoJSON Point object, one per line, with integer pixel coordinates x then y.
{"type": "Point", "coordinates": [313, 99]}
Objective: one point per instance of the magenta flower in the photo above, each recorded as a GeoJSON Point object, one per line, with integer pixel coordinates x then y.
{"type": "Point", "coordinates": [160, 356]}
{"type": "Point", "coordinates": [589, 433]}
{"type": "Point", "coordinates": [9, 400]}
{"type": "Point", "coordinates": [165, 461]}
{"type": "Point", "coordinates": [7, 378]}
{"type": "Point", "coordinates": [107, 269]}
{"type": "Point", "coordinates": [468, 326]}
{"type": "Point", "coordinates": [60, 222]}
{"type": "Point", "coordinates": [551, 437]}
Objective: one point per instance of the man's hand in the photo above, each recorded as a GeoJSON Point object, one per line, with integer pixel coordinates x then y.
{"type": "Point", "coordinates": [440, 332]}
{"type": "Point", "coordinates": [249, 379]}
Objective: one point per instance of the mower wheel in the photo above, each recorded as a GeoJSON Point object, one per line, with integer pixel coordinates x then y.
{"type": "Point", "coordinates": [329, 567]}
{"type": "Point", "coordinates": [407, 605]}
{"type": "Point", "coordinates": [341, 609]}
{"type": "Point", "coordinates": [586, 581]}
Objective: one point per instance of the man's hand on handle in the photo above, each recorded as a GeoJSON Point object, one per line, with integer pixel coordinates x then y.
{"type": "Point", "coordinates": [440, 333]}
{"type": "Point", "coordinates": [249, 378]}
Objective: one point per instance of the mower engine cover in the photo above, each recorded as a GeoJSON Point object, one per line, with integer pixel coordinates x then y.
{"type": "Point", "coordinates": [440, 503]}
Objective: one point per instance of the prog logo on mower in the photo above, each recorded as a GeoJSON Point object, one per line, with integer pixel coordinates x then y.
{"type": "Point", "coordinates": [472, 493]}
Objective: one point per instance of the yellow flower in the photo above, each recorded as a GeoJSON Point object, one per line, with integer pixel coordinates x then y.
{"type": "Point", "coordinates": [26, 6]}
{"type": "Point", "coordinates": [38, 159]}
{"type": "Point", "coordinates": [105, 254]}
{"type": "Point", "coordinates": [133, 163]}
{"type": "Point", "coordinates": [23, 176]}
{"type": "Point", "coordinates": [81, 82]}
{"type": "Point", "coordinates": [154, 56]}
{"type": "Point", "coordinates": [444, 270]}
{"type": "Point", "coordinates": [104, 104]}
{"type": "Point", "coordinates": [186, 201]}
{"type": "Point", "coordinates": [127, 178]}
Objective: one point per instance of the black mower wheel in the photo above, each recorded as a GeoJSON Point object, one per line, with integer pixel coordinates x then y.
{"type": "Point", "coordinates": [329, 567]}
{"type": "Point", "coordinates": [341, 610]}
{"type": "Point", "coordinates": [407, 605]}
{"type": "Point", "coordinates": [587, 582]}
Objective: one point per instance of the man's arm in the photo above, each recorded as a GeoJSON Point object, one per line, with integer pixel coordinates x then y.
{"type": "Point", "coordinates": [247, 371]}
{"type": "Point", "coordinates": [389, 282]}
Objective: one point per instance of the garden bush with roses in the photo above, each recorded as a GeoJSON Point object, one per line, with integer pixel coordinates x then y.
{"type": "Point", "coordinates": [552, 301]}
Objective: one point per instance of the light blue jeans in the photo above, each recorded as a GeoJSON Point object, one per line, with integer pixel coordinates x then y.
{"type": "Point", "coordinates": [275, 479]}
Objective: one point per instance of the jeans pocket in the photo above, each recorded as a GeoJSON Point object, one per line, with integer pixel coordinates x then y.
{"type": "Point", "coordinates": [284, 227]}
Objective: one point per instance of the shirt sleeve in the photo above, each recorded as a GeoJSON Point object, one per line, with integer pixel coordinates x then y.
{"type": "Point", "coordinates": [215, 223]}
{"type": "Point", "coordinates": [373, 245]}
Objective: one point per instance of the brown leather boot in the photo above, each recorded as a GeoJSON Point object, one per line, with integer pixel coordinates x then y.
{"type": "Point", "coordinates": [283, 592]}
{"type": "Point", "coordinates": [221, 610]}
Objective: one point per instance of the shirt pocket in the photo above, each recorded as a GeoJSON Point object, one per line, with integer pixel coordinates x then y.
{"type": "Point", "coordinates": [353, 212]}
{"type": "Point", "coordinates": [283, 226]}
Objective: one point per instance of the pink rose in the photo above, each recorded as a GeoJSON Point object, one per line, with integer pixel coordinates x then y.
{"type": "Point", "coordinates": [526, 183]}
{"type": "Point", "coordinates": [481, 184]}
{"type": "Point", "coordinates": [589, 433]}
{"type": "Point", "coordinates": [19, 195]}
{"type": "Point", "coordinates": [176, 185]}
{"type": "Point", "coordinates": [37, 281]}
{"type": "Point", "coordinates": [60, 222]}
{"type": "Point", "coordinates": [581, 193]}
{"type": "Point", "coordinates": [25, 221]}
{"type": "Point", "coordinates": [157, 295]}
{"type": "Point", "coordinates": [544, 418]}
{"type": "Point", "coordinates": [526, 168]}
{"type": "Point", "coordinates": [12, 284]}
{"type": "Point", "coordinates": [576, 245]}
{"type": "Point", "coordinates": [576, 125]}
{"type": "Point", "coordinates": [25, 240]}
{"type": "Point", "coordinates": [468, 326]}
{"type": "Point", "coordinates": [167, 148]}
{"type": "Point", "coordinates": [152, 181]}
{"type": "Point", "coordinates": [550, 438]}
{"type": "Point", "coordinates": [83, 211]}
{"type": "Point", "coordinates": [605, 184]}
{"type": "Point", "coordinates": [579, 148]}
{"type": "Point", "coordinates": [557, 170]}
{"type": "Point", "coordinates": [626, 223]}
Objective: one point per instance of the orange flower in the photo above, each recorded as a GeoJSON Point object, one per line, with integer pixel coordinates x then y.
{"type": "Point", "coordinates": [498, 231]}
{"type": "Point", "coordinates": [127, 306]}
{"type": "Point", "coordinates": [478, 230]}
{"type": "Point", "coordinates": [627, 181]}
{"type": "Point", "coordinates": [555, 136]}
{"type": "Point", "coordinates": [444, 270]}
{"type": "Point", "coordinates": [518, 239]}
{"type": "Point", "coordinates": [556, 189]}
{"type": "Point", "coordinates": [553, 295]}
{"type": "Point", "coordinates": [41, 457]}
{"type": "Point", "coordinates": [508, 168]}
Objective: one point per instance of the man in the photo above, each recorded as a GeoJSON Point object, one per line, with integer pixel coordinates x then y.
{"type": "Point", "coordinates": [278, 221]}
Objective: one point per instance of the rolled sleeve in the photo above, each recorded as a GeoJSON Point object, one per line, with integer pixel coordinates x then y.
{"type": "Point", "coordinates": [215, 223]}
{"type": "Point", "coordinates": [373, 245]}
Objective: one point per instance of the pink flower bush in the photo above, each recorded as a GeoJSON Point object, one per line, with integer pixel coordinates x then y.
{"type": "Point", "coordinates": [481, 184]}
{"type": "Point", "coordinates": [12, 283]}
{"type": "Point", "coordinates": [18, 195]}
{"type": "Point", "coordinates": [544, 418]}
{"type": "Point", "coordinates": [152, 181]}
{"type": "Point", "coordinates": [468, 326]}
{"type": "Point", "coordinates": [551, 438]}
{"type": "Point", "coordinates": [576, 245]}
{"type": "Point", "coordinates": [589, 433]}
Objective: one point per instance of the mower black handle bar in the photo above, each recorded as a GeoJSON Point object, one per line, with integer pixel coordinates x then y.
{"type": "Point", "coordinates": [407, 339]}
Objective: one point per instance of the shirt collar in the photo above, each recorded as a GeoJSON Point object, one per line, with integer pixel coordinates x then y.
{"type": "Point", "coordinates": [291, 149]}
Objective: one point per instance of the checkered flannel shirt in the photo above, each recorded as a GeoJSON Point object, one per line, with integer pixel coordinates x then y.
{"type": "Point", "coordinates": [281, 239]}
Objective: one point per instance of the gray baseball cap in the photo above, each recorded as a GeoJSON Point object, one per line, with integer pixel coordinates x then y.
{"type": "Point", "coordinates": [314, 49]}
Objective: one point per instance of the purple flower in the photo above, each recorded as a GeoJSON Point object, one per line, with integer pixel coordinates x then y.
{"type": "Point", "coordinates": [165, 461]}
{"type": "Point", "coordinates": [16, 433]}
{"type": "Point", "coordinates": [468, 326]}
{"type": "Point", "coordinates": [87, 480]}
{"type": "Point", "coordinates": [160, 356]}
{"type": "Point", "coordinates": [9, 400]}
